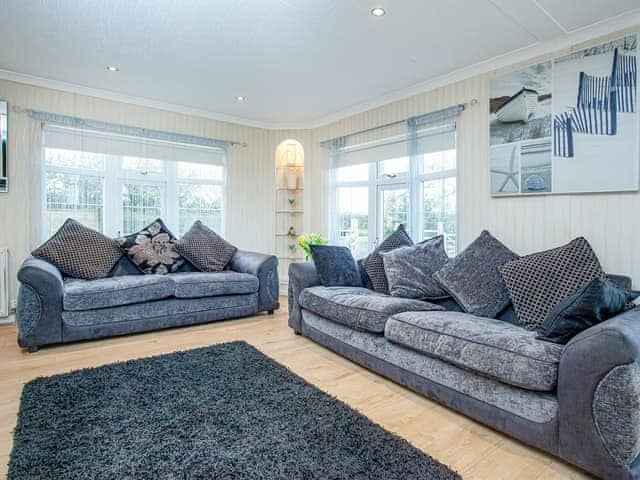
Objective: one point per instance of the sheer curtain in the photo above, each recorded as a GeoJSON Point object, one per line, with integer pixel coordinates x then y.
{"type": "Point", "coordinates": [35, 149]}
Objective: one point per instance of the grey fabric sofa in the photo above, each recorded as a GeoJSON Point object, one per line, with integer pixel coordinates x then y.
{"type": "Point", "coordinates": [53, 309]}
{"type": "Point", "coordinates": [580, 401]}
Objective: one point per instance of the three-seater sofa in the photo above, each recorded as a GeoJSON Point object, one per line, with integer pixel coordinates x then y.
{"type": "Point", "coordinates": [579, 401]}
{"type": "Point", "coordinates": [53, 309]}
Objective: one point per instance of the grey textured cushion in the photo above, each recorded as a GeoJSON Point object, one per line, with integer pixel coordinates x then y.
{"type": "Point", "coordinates": [336, 266]}
{"type": "Point", "coordinates": [374, 265]}
{"type": "Point", "coordinates": [203, 284]}
{"type": "Point", "coordinates": [502, 351]}
{"type": "Point", "coordinates": [80, 252]}
{"type": "Point", "coordinates": [473, 279]}
{"type": "Point", "coordinates": [111, 292]}
{"type": "Point", "coordinates": [616, 412]}
{"type": "Point", "coordinates": [410, 269]}
{"type": "Point", "coordinates": [153, 249]}
{"type": "Point", "coordinates": [205, 249]}
{"type": "Point", "coordinates": [538, 282]}
{"type": "Point", "coordinates": [358, 308]}
{"type": "Point", "coordinates": [536, 407]}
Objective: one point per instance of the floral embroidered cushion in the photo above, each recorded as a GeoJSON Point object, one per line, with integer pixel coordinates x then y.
{"type": "Point", "coordinates": [153, 249]}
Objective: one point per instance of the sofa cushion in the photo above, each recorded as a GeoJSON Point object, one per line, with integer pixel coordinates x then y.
{"type": "Point", "coordinates": [540, 281]}
{"type": "Point", "coordinates": [473, 279]}
{"type": "Point", "coordinates": [80, 295]}
{"type": "Point", "coordinates": [201, 284]}
{"type": "Point", "coordinates": [205, 249]}
{"type": "Point", "coordinates": [336, 266]}
{"type": "Point", "coordinates": [374, 265]}
{"type": "Point", "coordinates": [497, 349]}
{"type": "Point", "coordinates": [357, 307]}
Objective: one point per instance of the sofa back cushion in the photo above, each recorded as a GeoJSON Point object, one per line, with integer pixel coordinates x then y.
{"type": "Point", "coordinates": [336, 266]}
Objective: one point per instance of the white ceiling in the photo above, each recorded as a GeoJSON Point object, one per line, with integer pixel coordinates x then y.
{"type": "Point", "coordinates": [298, 62]}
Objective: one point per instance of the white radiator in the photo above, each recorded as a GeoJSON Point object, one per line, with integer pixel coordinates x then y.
{"type": "Point", "coordinates": [4, 282]}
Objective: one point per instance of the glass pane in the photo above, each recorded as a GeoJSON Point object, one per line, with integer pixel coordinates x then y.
{"type": "Point", "coordinates": [394, 166]}
{"type": "Point", "coordinates": [199, 202]}
{"type": "Point", "coordinates": [73, 196]}
{"type": "Point", "coordinates": [142, 165]}
{"type": "Point", "coordinates": [395, 209]}
{"type": "Point", "coordinates": [439, 161]}
{"type": "Point", "coordinates": [141, 204]}
{"type": "Point", "coordinates": [353, 219]}
{"type": "Point", "coordinates": [354, 173]}
{"type": "Point", "coordinates": [200, 170]}
{"type": "Point", "coordinates": [440, 211]}
{"type": "Point", "coordinates": [57, 157]}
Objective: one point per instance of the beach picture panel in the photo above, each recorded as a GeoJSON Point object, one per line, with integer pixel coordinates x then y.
{"type": "Point", "coordinates": [535, 170]}
{"type": "Point", "coordinates": [4, 127]}
{"type": "Point", "coordinates": [505, 169]}
{"type": "Point", "coordinates": [595, 123]}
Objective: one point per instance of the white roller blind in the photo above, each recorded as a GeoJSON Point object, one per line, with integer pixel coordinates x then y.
{"type": "Point", "coordinates": [113, 144]}
{"type": "Point", "coordinates": [429, 140]}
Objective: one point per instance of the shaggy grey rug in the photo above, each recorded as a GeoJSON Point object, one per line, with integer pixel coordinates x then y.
{"type": "Point", "coordinates": [222, 412]}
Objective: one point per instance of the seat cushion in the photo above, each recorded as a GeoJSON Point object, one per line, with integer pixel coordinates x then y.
{"type": "Point", "coordinates": [358, 307]}
{"type": "Point", "coordinates": [204, 284]}
{"type": "Point", "coordinates": [497, 349]}
{"type": "Point", "coordinates": [80, 295]}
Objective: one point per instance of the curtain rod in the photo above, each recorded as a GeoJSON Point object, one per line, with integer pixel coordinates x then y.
{"type": "Point", "coordinates": [77, 122]}
{"type": "Point", "coordinates": [329, 143]}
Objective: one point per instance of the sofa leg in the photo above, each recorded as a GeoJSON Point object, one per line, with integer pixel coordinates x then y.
{"type": "Point", "coordinates": [32, 349]}
{"type": "Point", "coordinates": [270, 312]}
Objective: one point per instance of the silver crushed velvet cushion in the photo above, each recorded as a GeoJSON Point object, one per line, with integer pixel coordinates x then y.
{"type": "Point", "coordinates": [410, 270]}
{"type": "Point", "coordinates": [205, 249]}
{"type": "Point", "coordinates": [358, 307]}
{"type": "Point", "coordinates": [205, 284]}
{"type": "Point", "coordinates": [473, 280]}
{"type": "Point", "coordinates": [540, 281]}
{"type": "Point", "coordinates": [374, 265]}
{"type": "Point", "coordinates": [336, 266]}
{"type": "Point", "coordinates": [80, 252]}
{"type": "Point", "coordinates": [505, 352]}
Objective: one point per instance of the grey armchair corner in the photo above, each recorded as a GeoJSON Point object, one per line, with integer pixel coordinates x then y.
{"type": "Point", "coordinates": [301, 276]}
{"type": "Point", "coordinates": [265, 267]}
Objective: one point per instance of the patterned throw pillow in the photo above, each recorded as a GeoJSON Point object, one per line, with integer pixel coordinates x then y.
{"type": "Point", "coordinates": [153, 249]}
{"type": "Point", "coordinates": [374, 265]}
{"type": "Point", "coordinates": [80, 252]}
{"type": "Point", "coordinates": [336, 266]}
{"type": "Point", "coordinates": [205, 249]}
{"type": "Point", "coordinates": [410, 270]}
{"type": "Point", "coordinates": [538, 282]}
{"type": "Point", "coordinates": [473, 279]}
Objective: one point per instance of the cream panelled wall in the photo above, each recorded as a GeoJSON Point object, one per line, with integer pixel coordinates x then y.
{"type": "Point", "coordinates": [250, 169]}
{"type": "Point", "coordinates": [611, 222]}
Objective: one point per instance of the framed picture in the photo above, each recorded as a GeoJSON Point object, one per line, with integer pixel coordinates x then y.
{"type": "Point", "coordinates": [4, 128]}
{"type": "Point", "coordinates": [569, 125]}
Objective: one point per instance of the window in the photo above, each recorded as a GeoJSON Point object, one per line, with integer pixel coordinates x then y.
{"type": "Point", "coordinates": [378, 186]}
{"type": "Point", "coordinates": [118, 185]}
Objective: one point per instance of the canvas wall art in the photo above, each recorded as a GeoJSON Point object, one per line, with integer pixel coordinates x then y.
{"type": "Point", "coordinates": [569, 125]}
{"type": "Point", "coordinates": [4, 181]}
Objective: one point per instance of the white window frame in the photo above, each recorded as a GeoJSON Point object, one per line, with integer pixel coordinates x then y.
{"type": "Point", "coordinates": [114, 176]}
{"type": "Point", "coordinates": [413, 181]}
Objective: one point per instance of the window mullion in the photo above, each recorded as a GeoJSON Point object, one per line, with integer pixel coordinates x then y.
{"type": "Point", "coordinates": [170, 203]}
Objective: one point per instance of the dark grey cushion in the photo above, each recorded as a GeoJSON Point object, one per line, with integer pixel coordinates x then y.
{"type": "Point", "coordinates": [358, 308]}
{"type": "Point", "coordinates": [594, 303]}
{"type": "Point", "coordinates": [473, 279]}
{"type": "Point", "coordinates": [374, 265]}
{"type": "Point", "coordinates": [410, 270]}
{"type": "Point", "coordinates": [82, 295]}
{"type": "Point", "coordinates": [490, 347]}
{"type": "Point", "coordinates": [205, 249]}
{"type": "Point", "coordinates": [80, 252]}
{"type": "Point", "coordinates": [336, 266]}
{"type": "Point", "coordinates": [538, 282]}
{"type": "Point", "coordinates": [153, 249]}
{"type": "Point", "coordinates": [204, 284]}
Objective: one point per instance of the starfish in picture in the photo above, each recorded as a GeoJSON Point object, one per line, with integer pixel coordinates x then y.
{"type": "Point", "coordinates": [511, 175]}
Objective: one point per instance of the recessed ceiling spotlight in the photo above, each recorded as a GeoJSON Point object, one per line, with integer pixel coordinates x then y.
{"type": "Point", "coordinates": [112, 68]}
{"type": "Point", "coordinates": [240, 98]}
{"type": "Point", "coordinates": [377, 11]}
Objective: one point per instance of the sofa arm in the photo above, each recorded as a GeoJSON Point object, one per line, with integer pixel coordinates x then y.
{"type": "Point", "coordinates": [301, 276]}
{"type": "Point", "coordinates": [599, 398]}
{"type": "Point", "coordinates": [39, 312]}
{"type": "Point", "coordinates": [265, 267]}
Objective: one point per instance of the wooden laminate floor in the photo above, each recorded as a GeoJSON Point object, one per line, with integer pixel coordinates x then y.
{"type": "Point", "coordinates": [473, 450]}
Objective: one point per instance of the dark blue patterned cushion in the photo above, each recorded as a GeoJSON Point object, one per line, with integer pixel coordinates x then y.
{"type": "Point", "coordinates": [374, 265]}
{"type": "Point", "coordinates": [336, 266]}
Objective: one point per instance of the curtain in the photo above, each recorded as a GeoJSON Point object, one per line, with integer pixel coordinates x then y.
{"type": "Point", "coordinates": [35, 159]}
